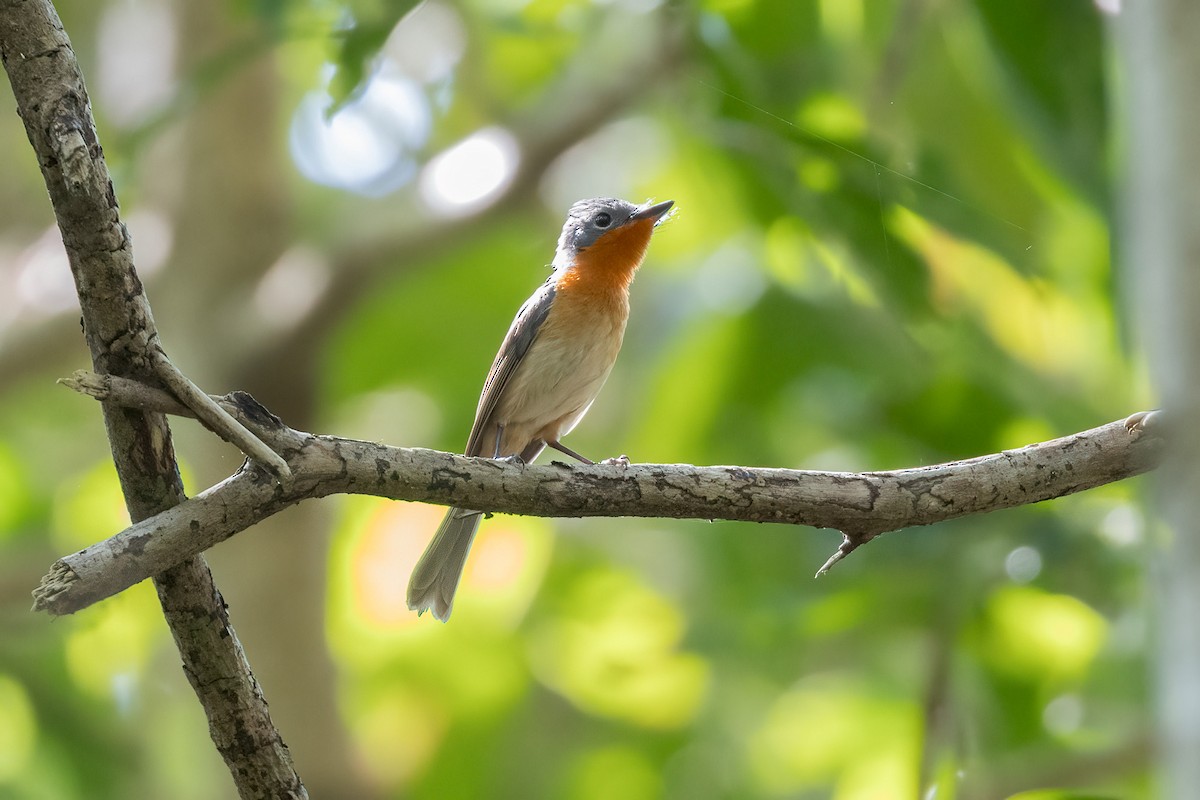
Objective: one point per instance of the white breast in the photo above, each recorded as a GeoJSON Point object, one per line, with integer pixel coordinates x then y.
{"type": "Point", "coordinates": [558, 378]}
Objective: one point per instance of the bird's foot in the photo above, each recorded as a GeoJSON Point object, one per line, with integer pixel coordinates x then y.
{"type": "Point", "coordinates": [1143, 422]}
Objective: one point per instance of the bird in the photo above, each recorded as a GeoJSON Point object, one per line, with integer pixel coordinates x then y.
{"type": "Point", "coordinates": [559, 350]}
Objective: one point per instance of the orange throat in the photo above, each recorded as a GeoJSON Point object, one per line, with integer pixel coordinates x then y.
{"type": "Point", "coordinates": [609, 264]}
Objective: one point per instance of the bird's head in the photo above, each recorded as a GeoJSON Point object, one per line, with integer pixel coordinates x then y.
{"type": "Point", "coordinates": [609, 236]}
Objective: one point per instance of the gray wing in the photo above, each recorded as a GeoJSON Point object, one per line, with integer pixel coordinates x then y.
{"type": "Point", "coordinates": [521, 333]}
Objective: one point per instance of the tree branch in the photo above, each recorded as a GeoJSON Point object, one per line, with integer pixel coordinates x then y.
{"type": "Point", "coordinates": [53, 103]}
{"type": "Point", "coordinates": [215, 418]}
{"type": "Point", "coordinates": [861, 505]}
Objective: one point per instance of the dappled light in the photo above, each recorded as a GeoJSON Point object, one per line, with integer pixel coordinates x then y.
{"type": "Point", "coordinates": [18, 729]}
{"type": "Point", "coordinates": [891, 246]}
{"type": "Point", "coordinates": [1034, 321]}
{"type": "Point", "coordinates": [612, 650]}
{"type": "Point", "coordinates": [14, 492]}
{"type": "Point", "coordinates": [612, 771]}
{"type": "Point", "coordinates": [1023, 564]}
{"type": "Point", "coordinates": [292, 287]}
{"type": "Point", "coordinates": [86, 506]}
{"type": "Point", "coordinates": [135, 74]}
{"type": "Point", "coordinates": [836, 727]}
{"type": "Point", "coordinates": [152, 231]}
{"type": "Point", "coordinates": [107, 654]}
{"type": "Point", "coordinates": [1040, 637]}
{"type": "Point", "coordinates": [366, 145]}
{"type": "Point", "coordinates": [377, 545]}
{"type": "Point", "coordinates": [43, 283]}
{"type": "Point", "coordinates": [465, 176]}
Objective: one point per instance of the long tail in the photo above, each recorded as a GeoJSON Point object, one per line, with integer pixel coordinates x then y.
{"type": "Point", "coordinates": [436, 576]}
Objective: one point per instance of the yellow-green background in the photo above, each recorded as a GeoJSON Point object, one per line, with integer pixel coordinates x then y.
{"type": "Point", "coordinates": [892, 248]}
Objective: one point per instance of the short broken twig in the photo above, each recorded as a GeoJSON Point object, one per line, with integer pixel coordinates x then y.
{"type": "Point", "coordinates": [215, 418]}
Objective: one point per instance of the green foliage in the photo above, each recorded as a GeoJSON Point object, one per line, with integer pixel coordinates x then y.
{"type": "Point", "coordinates": [891, 249]}
{"type": "Point", "coordinates": [359, 42]}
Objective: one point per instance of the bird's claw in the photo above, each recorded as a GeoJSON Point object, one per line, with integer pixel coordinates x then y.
{"type": "Point", "coordinates": [620, 461]}
{"type": "Point", "coordinates": [1142, 422]}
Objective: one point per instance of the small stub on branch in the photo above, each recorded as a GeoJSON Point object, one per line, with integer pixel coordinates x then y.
{"type": "Point", "coordinates": [53, 585]}
{"type": "Point", "coordinates": [188, 400]}
{"type": "Point", "coordinates": [216, 418]}
{"type": "Point", "coordinates": [254, 411]}
{"type": "Point", "coordinates": [850, 543]}
{"type": "Point", "coordinates": [86, 382]}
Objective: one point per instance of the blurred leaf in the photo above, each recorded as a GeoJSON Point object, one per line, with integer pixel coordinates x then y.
{"type": "Point", "coordinates": [18, 729]}
{"type": "Point", "coordinates": [1062, 86]}
{"type": "Point", "coordinates": [358, 44]}
{"type": "Point", "coordinates": [15, 500]}
{"type": "Point", "coordinates": [612, 651]}
{"type": "Point", "coordinates": [612, 772]}
{"type": "Point", "coordinates": [812, 735]}
{"type": "Point", "coordinates": [1041, 637]}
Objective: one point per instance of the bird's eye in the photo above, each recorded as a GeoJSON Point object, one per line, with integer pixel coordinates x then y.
{"type": "Point", "coordinates": [602, 220]}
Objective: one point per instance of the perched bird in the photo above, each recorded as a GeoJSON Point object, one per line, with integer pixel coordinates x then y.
{"type": "Point", "coordinates": [551, 365]}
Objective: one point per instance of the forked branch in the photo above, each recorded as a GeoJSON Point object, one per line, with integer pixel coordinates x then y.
{"type": "Point", "coordinates": [53, 103]}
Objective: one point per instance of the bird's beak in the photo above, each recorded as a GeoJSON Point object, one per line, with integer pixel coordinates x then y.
{"type": "Point", "coordinates": [652, 212]}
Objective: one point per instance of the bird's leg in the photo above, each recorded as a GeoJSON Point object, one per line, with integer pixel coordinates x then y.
{"type": "Point", "coordinates": [532, 451]}
{"type": "Point", "coordinates": [517, 459]}
{"type": "Point", "coordinates": [499, 436]}
{"type": "Point", "coordinates": [562, 448]}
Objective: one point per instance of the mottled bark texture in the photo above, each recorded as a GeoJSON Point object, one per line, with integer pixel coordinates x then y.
{"type": "Point", "coordinates": [53, 104]}
{"type": "Point", "coordinates": [860, 505]}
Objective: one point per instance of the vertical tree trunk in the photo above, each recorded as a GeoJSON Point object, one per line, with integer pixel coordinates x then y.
{"type": "Point", "coordinates": [121, 336]}
{"type": "Point", "coordinates": [233, 224]}
{"type": "Point", "coordinates": [1160, 40]}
